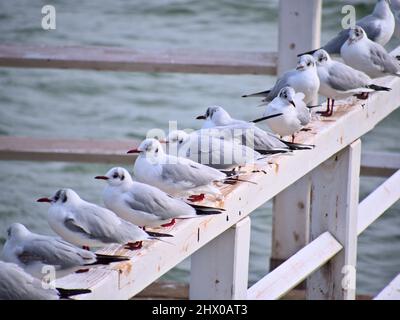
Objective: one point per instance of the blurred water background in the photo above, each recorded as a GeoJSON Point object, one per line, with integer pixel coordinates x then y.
{"type": "Point", "coordinates": [118, 105]}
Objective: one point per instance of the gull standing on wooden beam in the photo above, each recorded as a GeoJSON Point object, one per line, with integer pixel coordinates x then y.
{"type": "Point", "coordinates": [33, 252]}
{"type": "Point", "coordinates": [145, 205]}
{"type": "Point", "coordinates": [220, 124]}
{"type": "Point", "coordinates": [340, 81]}
{"type": "Point", "coordinates": [88, 225]}
{"type": "Point", "coordinates": [295, 113]}
{"type": "Point", "coordinates": [365, 55]}
{"type": "Point", "coordinates": [16, 284]}
{"type": "Point", "coordinates": [302, 79]}
{"type": "Point", "coordinates": [379, 26]}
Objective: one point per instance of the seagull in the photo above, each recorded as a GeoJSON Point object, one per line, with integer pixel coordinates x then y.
{"type": "Point", "coordinates": [212, 151]}
{"type": "Point", "coordinates": [295, 113]}
{"type": "Point", "coordinates": [396, 13]}
{"type": "Point", "coordinates": [302, 79]}
{"type": "Point", "coordinates": [365, 55]}
{"type": "Point", "coordinates": [33, 252]}
{"type": "Point", "coordinates": [145, 205]}
{"type": "Point", "coordinates": [339, 81]}
{"type": "Point", "coordinates": [176, 176]}
{"type": "Point", "coordinates": [88, 225]}
{"type": "Point", "coordinates": [379, 26]}
{"type": "Point", "coordinates": [221, 124]}
{"type": "Point", "coordinates": [16, 284]}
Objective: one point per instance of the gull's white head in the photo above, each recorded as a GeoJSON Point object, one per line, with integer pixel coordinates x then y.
{"type": "Point", "coordinates": [321, 56]}
{"type": "Point", "coordinates": [149, 148]}
{"type": "Point", "coordinates": [177, 137]}
{"type": "Point", "coordinates": [217, 115]}
{"type": "Point", "coordinates": [356, 34]}
{"type": "Point", "coordinates": [17, 231]}
{"type": "Point", "coordinates": [306, 62]}
{"type": "Point", "coordinates": [116, 176]}
{"type": "Point", "coordinates": [62, 197]}
{"type": "Point", "coordinates": [288, 94]}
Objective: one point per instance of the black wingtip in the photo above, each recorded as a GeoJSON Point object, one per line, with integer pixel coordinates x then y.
{"type": "Point", "coordinates": [67, 293]}
{"type": "Point", "coordinates": [159, 235]}
{"type": "Point", "coordinates": [107, 259]}
{"type": "Point", "coordinates": [309, 52]}
{"type": "Point", "coordinates": [379, 88]}
{"type": "Point", "coordinates": [298, 146]}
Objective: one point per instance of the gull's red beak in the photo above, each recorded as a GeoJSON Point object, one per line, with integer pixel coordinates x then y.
{"type": "Point", "coordinates": [134, 151]}
{"type": "Point", "coordinates": [101, 177]}
{"type": "Point", "coordinates": [163, 141]}
{"type": "Point", "coordinates": [44, 200]}
{"type": "Point", "coordinates": [203, 117]}
{"type": "Point", "coordinates": [292, 103]}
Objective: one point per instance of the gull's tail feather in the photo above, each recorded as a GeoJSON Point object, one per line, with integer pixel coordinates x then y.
{"type": "Point", "coordinates": [316, 106]}
{"type": "Point", "coordinates": [107, 259]}
{"type": "Point", "coordinates": [158, 235]}
{"type": "Point", "coordinates": [205, 210]}
{"type": "Point", "coordinates": [378, 88]}
{"type": "Point", "coordinates": [67, 293]}
{"type": "Point", "coordinates": [298, 146]}
{"type": "Point", "coordinates": [257, 94]}
{"type": "Point", "coordinates": [272, 151]}
{"type": "Point", "coordinates": [308, 52]}
{"type": "Point", "coordinates": [267, 117]}
{"type": "Point", "coordinates": [158, 239]}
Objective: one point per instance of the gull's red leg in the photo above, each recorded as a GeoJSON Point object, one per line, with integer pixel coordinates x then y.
{"type": "Point", "coordinates": [169, 223]}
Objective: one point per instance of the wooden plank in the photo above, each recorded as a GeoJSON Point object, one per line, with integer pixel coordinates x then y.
{"type": "Point", "coordinates": [285, 277]}
{"type": "Point", "coordinates": [381, 199]}
{"type": "Point", "coordinates": [334, 204]}
{"type": "Point", "coordinates": [379, 164]}
{"type": "Point", "coordinates": [219, 270]}
{"type": "Point", "coordinates": [391, 292]}
{"type": "Point", "coordinates": [295, 15]}
{"type": "Point", "coordinates": [66, 150]}
{"type": "Point", "coordinates": [329, 136]}
{"type": "Point", "coordinates": [290, 224]}
{"type": "Point", "coordinates": [137, 60]}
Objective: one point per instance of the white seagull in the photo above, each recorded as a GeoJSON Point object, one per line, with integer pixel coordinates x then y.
{"type": "Point", "coordinates": [221, 124]}
{"type": "Point", "coordinates": [145, 205]}
{"type": "Point", "coordinates": [340, 81]}
{"type": "Point", "coordinates": [33, 252]}
{"type": "Point", "coordinates": [88, 225]}
{"type": "Point", "coordinates": [176, 176]}
{"type": "Point", "coordinates": [212, 151]}
{"type": "Point", "coordinates": [379, 26]}
{"type": "Point", "coordinates": [365, 55]}
{"type": "Point", "coordinates": [302, 79]}
{"type": "Point", "coordinates": [16, 284]}
{"type": "Point", "coordinates": [295, 114]}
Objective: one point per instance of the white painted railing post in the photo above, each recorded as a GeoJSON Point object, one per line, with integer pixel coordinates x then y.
{"type": "Point", "coordinates": [290, 226]}
{"type": "Point", "coordinates": [299, 30]}
{"type": "Point", "coordinates": [333, 208]}
{"type": "Point", "coordinates": [219, 270]}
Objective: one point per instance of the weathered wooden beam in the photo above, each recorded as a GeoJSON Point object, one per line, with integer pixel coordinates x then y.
{"type": "Point", "coordinates": [66, 150]}
{"type": "Point", "coordinates": [219, 270]}
{"type": "Point", "coordinates": [391, 292]}
{"type": "Point", "coordinates": [138, 60]}
{"type": "Point", "coordinates": [285, 277]}
{"type": "Point", "coordinates": [381, 199]}
{"type": "Point", "coordinates": [334, 206]}
{"type": "Point", "coordinates": [299, 30]}
{"type": "Point", "coordinates": [124, 280]}
{"type": "Point", "coordinates": [379, 164]}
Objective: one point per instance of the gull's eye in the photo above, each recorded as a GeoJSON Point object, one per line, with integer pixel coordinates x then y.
{"type": "Point", "coordinates": [65, 198]}
{"type": "Point", "coordinates": [9, 232]}
{"type": "Point", "coordinates": [309, 63]}
{"type": "Point", "coordinates": [115, 175]}
{"type": "Point", "coordinates": [156, 150]}
{"type": "Point", "coordinates": [181, 141]}
{"type": "Point", "coordinates": [122, 178]}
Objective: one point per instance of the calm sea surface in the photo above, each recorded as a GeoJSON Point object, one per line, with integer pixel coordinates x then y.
{"type": "Point", "coordinates": [89, 104]}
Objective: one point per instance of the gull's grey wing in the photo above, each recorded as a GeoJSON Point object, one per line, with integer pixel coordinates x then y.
{"type": "Point", "coordinates": [281, 82]}
{"type": "Point", "coordinates": [54, 251]}
{"type": "Point", "coordinates": [335, 44]}
{"type": "Point", "coordinates": [371, 26]}
{"type": "Point", "coordinates": [384, 61]}
{"type": "Point", "coordinates": [191, 173]}
{"type": "Point", "coordinates": [153, 201]}
{"type": "Point", "coordinates": [344, 78]}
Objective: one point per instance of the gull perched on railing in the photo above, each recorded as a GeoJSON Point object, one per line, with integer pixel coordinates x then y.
{"type": "Point", "coordinates": [145, 205]}
{"type": "Point", "coordinates": [340, 81]}
{"type": "Point", "coordinates": [379, 26]}
{"type": "Point", "coordinates": [33, 252]}
{"type": "Point", "coordinates": [221, 124]}
{"type": "Point", "coordinates": [88, 225]}
{"type": "Point", "coordinates": [174, 175]}
{"type": "Point", "coordinates": [295, 114]}
{"type": "Point", "coordinates": [365, 55]}
{"type": "Point", "coordinates": [16, 284]}
{"type": "Point", "coordinates": [303, 78]}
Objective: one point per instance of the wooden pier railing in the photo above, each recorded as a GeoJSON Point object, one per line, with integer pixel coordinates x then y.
{"type": "Point", "coordinates": [317, 214]}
